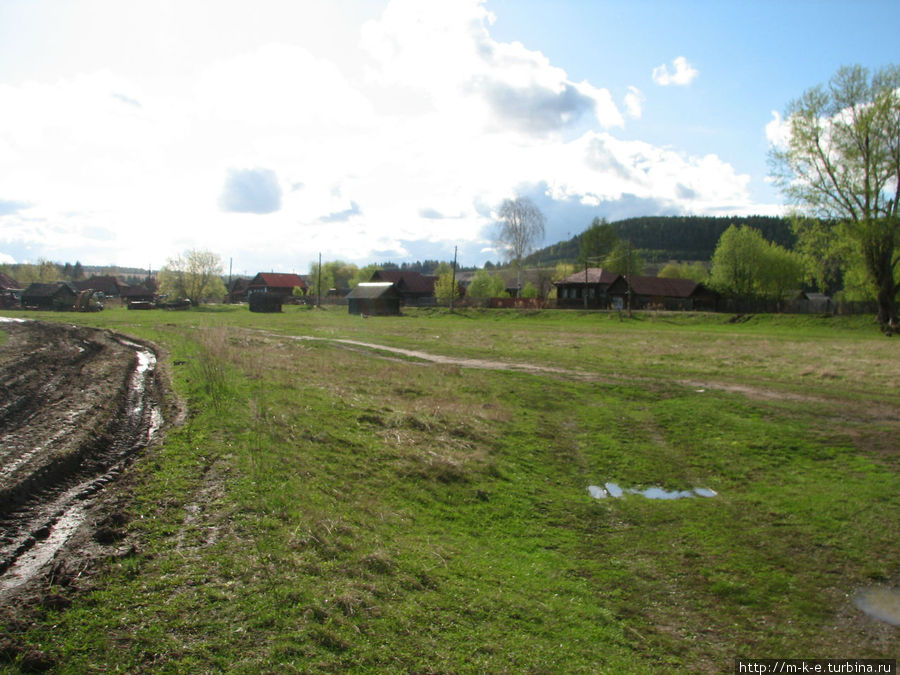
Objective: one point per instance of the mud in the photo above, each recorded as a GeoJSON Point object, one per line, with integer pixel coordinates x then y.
{"type": "Point", "coordinates": [76, 406]}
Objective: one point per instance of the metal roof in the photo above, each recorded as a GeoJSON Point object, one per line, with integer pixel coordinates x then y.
{"type": "Point", "coordinates": [372, 291]}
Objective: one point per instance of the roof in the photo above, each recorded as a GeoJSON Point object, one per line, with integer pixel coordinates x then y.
{"type": "Point", "coordinates": [595, 275]}
{"type": "Point", "coordinates": [107, 284]}
{"type": "Point", "coordinates": [7, 283]}
{"type": "Point", "coordinates": [411, 282]}
{"type": "Point", "coordinates": [38, 290]}
{"type": "Point", "coordinates": [372, 291]}
{"type": "Point", "coordinates": [660, 287]}
{"type": "Point", "coordinates": [277, 280]}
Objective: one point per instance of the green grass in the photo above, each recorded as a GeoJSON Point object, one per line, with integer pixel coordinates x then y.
{"type": "Point", "coordinates": [325, 510]}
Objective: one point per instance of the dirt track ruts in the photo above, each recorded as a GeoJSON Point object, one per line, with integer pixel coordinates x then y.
{"type": "Point", "coordinates": [76, 404]}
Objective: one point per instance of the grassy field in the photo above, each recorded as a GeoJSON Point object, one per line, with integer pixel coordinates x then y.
{"type": "Point", "coordinates": [330, 506]}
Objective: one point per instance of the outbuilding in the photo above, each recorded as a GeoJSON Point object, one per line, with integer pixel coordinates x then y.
{"type": "Point", "coordinates": [374, 298]}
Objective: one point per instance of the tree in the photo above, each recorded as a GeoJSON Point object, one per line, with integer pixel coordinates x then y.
{"type": "Point", "coordinates": [521, 227]}
{"type": "Point", "coordinates": [195, 275]}
{"type": "Point", "coordinates": [446, 288]}
{"type": "Point", "coordinates": [597, 242]}
{"type": "Point", "coordinates": [695, 271]}
{"type": "Point", "coordinates": [530, 291]}
{"type": "Point", "coordinates": [624, 259]}
{"type": "Point", "coordinates": [746, 266]}
{"type": "Point", "coordinates": [841, 161]}
{"type": "Point", "coordinates": [736, 262]}
{"type": "Point", "coordinates": [485, 285]}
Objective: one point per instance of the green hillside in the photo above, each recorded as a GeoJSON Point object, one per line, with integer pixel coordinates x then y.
{"type": "Point", "coordinates": [672, 237]}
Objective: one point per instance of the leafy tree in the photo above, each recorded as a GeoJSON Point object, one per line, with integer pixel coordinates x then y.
{"type": "Point", "coordinates": [195, 275]}
{"type": "Point", "coordinates": [746, 266]}
{"type": "Point", "coordinates": [736, 262]}
{"type": "Point", "coordinates": [782, 271]}
{"type": "Point", "coordinates": [624, 259]}
{"type": "Point", "coordinates": [596, 242]}
{"type": "Point", "coordinates": [335, 274]}
{"type": "Point", "coordinates": [695, 271]}
{"type": "Point", "coordinates": [841, 161]}
{"type": "Point", "coordinates": [530, 291]}
{"type": "Point", "coordinates": [364, 275]}
{"type": "Point", "coordinates": [485, 285]}
{"type": "Point", "coordinates": [446, 288]}
{"type": "Point", "coordinates": [521, 226]}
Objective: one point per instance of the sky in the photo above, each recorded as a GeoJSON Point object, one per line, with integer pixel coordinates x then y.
{"type": "Point", "coordinates": [273, 131]}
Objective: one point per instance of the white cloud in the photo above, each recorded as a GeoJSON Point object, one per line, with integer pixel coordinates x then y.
{"type": "Point", "coordinates": [634, 102]}
{"type": "Point", "coordinates": [435, 117]}
{"type": "Point", "coordinates": [778, 130]}
{"type": "Point", "coordinates": [682, 74]}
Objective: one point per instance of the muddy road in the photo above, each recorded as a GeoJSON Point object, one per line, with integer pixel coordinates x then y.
{"type": "Point", "coordinates": [76, 406]}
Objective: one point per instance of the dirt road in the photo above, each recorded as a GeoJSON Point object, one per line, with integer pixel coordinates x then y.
{"type": "Point", "coordinates": [76, 404]}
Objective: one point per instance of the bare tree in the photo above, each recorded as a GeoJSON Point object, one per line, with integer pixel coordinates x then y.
{"type": "Point", "coordinates": [521, 226]}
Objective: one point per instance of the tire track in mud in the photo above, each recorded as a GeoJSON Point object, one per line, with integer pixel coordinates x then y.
{"type": "Point", "coordinates": [76, 405]}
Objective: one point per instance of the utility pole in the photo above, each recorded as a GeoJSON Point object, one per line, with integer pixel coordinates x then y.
{"type": "Point", "coordinates": [628, 269]}
{"type": "Point", "coordinates": [319, 284]}
{"type": "Point", "coordinates": [453, 284]}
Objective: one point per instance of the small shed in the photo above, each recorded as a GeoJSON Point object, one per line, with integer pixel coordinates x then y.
{"type": "Point", "coordinates": [267, 303]}
{"type": "Point", "coordinates": [375, 298]}
{"type": "Point", "coordinates": [59, 295]}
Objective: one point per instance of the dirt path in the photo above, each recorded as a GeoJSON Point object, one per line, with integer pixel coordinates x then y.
{"type": "Point", "coordinates": [76, 404]}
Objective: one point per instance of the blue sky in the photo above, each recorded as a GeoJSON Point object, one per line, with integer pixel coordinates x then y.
{"type": "Point", "coordinates": [270, 132]}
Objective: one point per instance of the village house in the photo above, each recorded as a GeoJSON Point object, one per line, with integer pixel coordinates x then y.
{"type": "Point", "coordinates": [276, 283]}
{"type": "Point", "coordinates": [660, 293]}
{"type": "Point", "coordinates": [57, 295]}
{"type": "Point", "coordinates": [413, 288]}
{"type": "Point", "coordinates": [108, 285]}
{"type": "Point", "coordinates": [237, 290]}
{"type": "Point", "coordinates": [586, 289]}
{"type": "Point", "coordinates": [10, 292]}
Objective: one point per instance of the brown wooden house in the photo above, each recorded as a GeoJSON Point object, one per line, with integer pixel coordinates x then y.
{"type": "Point", "coordinates": [276, 283]}
{"type": "Point", "coordinates": [413, 288]}
{"type": "Point", "coordinates": [659, 293]}
{"type": "Point", "coordinates": [59, 295]}
{"type": "Point", "coordinates": [592, 285]}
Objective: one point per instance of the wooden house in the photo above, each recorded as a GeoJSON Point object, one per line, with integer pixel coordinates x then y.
{"type": "Point", "coordinates": [375, 298]}
{"type": "Point", "coordinates": [413, 288]}
{"type": "Point", "coordinates": [108, 285]}
{"type": "Point", "coordinates": [237, 290]}
{"type": "Point", "coordinates": [591, 285]}
{"type": "Point", "coordinates": [277, 284]}
{"type": "Point", "coordinates": [660, 293]}
{"type": "Point", "coordinates": [60, 295]}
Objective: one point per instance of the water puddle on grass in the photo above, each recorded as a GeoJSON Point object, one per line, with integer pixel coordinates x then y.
{"type": "Point", "coordinates": [882, 602]}
{"type": "Point", "coordinates": [615, 491]}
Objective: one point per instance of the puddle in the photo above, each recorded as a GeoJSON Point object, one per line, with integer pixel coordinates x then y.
{"type": "Point", "coordinates": [9, 319]}
{"type": "Point", "coordinates": [615, 491]}
{"type": "Point", "coordinates": [881, 602]}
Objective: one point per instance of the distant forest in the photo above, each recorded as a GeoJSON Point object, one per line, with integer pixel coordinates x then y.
{"type": "Point", "coordinates": [662, 238]}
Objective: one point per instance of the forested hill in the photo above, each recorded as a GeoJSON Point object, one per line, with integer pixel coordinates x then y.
{"type": "Point", "coordinates": [672, 237]}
